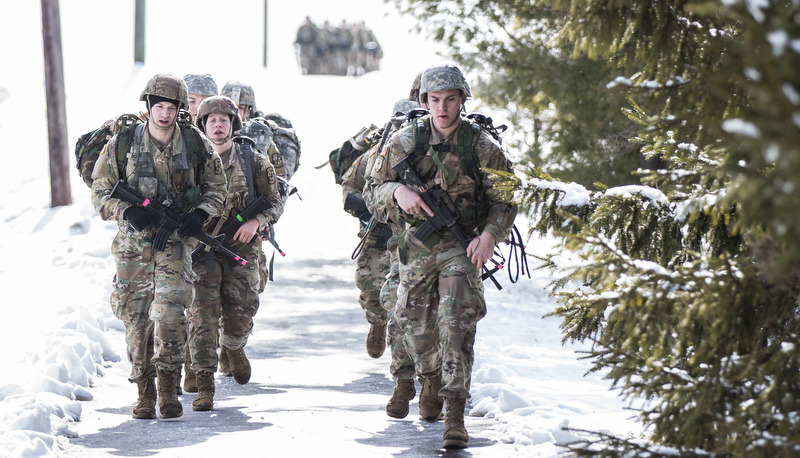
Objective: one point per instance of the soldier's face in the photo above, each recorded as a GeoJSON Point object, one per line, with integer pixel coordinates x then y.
{"type": "Point", "coordinates": [194, 102]}
{"type": "Point", "coordinates": [163, 113]}
{"type": "Point", "coordinates": [444, 107]}
{"type": "Point", "coordinates": [218, 126]}
{"type": "Point", "coordinates": [244, 112]}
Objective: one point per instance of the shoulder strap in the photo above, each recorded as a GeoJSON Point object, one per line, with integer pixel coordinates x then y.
{"type": "Point", "coordinates": [248, 164]}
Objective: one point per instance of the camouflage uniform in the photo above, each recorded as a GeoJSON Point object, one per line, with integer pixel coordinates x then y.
{"type": "Point", "coordinates": [152, 289]}
{"type": "Point", "coordinates": [373, 260]}
{"type": "Point", "coordinates": [440, 298]}
{"type": "Point", "coordinates": [402, 365]}
{"type": "Point", "coordinates": [227, 295]}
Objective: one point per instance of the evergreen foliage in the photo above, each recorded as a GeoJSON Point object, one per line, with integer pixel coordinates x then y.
{"type": "Point", "coordinates": [557, 105]}
{"type": "Point", "coordinates": [686, 285]}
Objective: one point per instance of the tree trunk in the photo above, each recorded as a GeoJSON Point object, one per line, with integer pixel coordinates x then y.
{"type": "Point", "coordinates": [60, 193]}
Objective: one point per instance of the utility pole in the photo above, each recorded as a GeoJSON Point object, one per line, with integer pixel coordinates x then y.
{"type": "Point", "coordinates": [265, 33]}
{"type": "Point", "coordinates": [138, 33]}
{"type": "Point", "coordinates": [60, 192]}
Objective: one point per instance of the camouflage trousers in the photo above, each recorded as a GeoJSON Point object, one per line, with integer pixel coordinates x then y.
{"type": "Point", "coordinates": [372, 266]}
{"type": "Point", "coordinates": [151, 292]}
{"type": "Point", "coordinates": [402, 366]}
{"type": "Point", "coordinates": [226, 302]}
{"type": "Point", "coordinates": [439, 303]}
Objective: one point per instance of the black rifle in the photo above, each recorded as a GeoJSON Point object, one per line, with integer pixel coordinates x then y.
{"type": "Point", "coordinates": [269, 236]}
{"type": "Point", "coordinates": [444, 211]}
{"type": "Point", "coordinates": [229, 228]}
{"type": "Point", "coordinates": [167, 217]}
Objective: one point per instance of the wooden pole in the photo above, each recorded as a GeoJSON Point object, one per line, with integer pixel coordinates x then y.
{"type": "Point", "coordinates": [60, 192]}
{"type": "Point", "coordinates": [138, 32]}
{"type": "Point", "coordinates": [265, 33]}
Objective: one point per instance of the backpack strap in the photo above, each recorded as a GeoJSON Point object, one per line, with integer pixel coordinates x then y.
{"type": "Point", "coordinates": [247, 158]}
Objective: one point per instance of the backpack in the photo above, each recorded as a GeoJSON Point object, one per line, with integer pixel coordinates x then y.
{"type": "Point", "coordinates": [343, 157]}
{"type": "Point", "coordinates": [91, 144]}
{"type": "Point", "coordinates": [288, 144]}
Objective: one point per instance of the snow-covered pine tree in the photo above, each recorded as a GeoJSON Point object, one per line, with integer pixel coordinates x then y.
{"type": "Point", "coordinates": [687, 286]}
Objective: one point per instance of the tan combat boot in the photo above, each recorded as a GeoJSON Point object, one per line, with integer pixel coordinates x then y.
{"type": "Point", "coordinates": [205, 394]}
{"type": "Point", "coordinates": [145, 407]}
{"type": "Point", "coordinates": [404, 391]}
{"type": "Point", "coordinates": [430, 403]}
{"type": "Point", "coordinates": [224, 364]}
{"type": "Point", "coordinates": [189, 379]}
{"type": "Point", "coordinates": [376, 340]}
{"type": "Point", "coordinates": [168, 402]}
{"type": "Point", "coordinates": [455, 433]}
{"type": "Point", "coordinates": [240, 366]}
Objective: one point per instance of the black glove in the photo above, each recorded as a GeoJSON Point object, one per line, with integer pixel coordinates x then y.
{"type": "Point", "coordinates": [192, 224]}
{"type": "Point", "coordinates": [138, 217]}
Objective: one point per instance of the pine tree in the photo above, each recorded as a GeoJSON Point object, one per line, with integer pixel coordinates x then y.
{"type": "Point", "coordinates": [687, 285]}
{"type": "Point", "coordinates": [556, 105]}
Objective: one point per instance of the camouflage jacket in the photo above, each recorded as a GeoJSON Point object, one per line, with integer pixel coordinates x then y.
{"type": "Point", "coordinates": [264, 183]}
{"type": "Point", "coordinates": [203, 186]}
{"type": "Point", "coordinates": [499, 215]}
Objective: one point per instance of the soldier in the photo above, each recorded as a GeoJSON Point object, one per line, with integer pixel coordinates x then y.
{"type": "Point", "coordinates": [373, 259]}
{"type": "Point", "coordinates": [402, 366]}
{"type": "Point", "coordinates": [227, 294]}
{"type": "Point", "coordinates": [305, 46]}
{"type": "Point", "coordinates": [175, 165]}
{"type": "Point", "coordinates": [440, 298]}
{"type": "Point", "coordinates": [200, 87]}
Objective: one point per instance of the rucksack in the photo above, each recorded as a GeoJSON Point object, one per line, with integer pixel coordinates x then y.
{"type": "Point", "coordinates": [288, 144]}
{"type": "Point", "coordinates": [344, 156]}
{"type": "Point", "coordinates": [91, 144]}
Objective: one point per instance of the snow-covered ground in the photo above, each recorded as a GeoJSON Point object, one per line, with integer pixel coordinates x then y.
{"type": "Point", "coordinates": [62, 346]}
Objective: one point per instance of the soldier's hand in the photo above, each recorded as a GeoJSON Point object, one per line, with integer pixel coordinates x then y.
{"type": "Point", "coordinates": [246, 231]}
{"type": "Point", "coordinates": [481, 249]}
{"type": "Point", "coordinates": [410, 201]}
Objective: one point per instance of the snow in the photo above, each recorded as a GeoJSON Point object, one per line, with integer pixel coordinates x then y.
{"type": "Point", "coordinates": [738, 126]}
{"type": "Point", "coordinates": [64, 349]}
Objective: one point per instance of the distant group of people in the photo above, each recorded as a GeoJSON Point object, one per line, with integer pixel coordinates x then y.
{"type": "Point", "coordinates": [347, 50]}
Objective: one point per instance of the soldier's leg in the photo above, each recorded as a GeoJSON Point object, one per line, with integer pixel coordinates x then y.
{"type": "Point", "coordinates": [239, 298]}
{"type": "Point", "coordinates": [402, 365]}
{"type": "Point", "coordinates": [130, 302]}
{"type": "Point", "coordinates": [239, 305]}
{"type": "Point", "coordinates": [417, 304]}
{"type": "Point", "coordinates": [372, 265]}
{"type": "Point", "coordinates": [204, 315]}
{"type": "Point", "coordinates": [462, 305]}
{"type": "Point", "coordinates": [174, 292]}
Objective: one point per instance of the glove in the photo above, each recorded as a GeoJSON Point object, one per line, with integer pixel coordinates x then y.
{"type": "Point", "coordinates": [138, 217]}
{"type": "Point", "coordinates": [192, 224]}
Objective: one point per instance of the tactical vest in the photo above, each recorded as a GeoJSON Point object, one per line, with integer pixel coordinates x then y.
{"type": "Point", "coordinates": [179, 193]}
{"type": "Point", "coordinates": [465, 148]}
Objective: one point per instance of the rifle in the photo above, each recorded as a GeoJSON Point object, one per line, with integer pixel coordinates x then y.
{"type": "Point", "coordinates": [269, 236]}
{"type": "Point", "coordinates": [228, 230]}
{"type": "Point", "coordinates": [167, 217]}
{"type": "Point", "coordinates": [444, 211]}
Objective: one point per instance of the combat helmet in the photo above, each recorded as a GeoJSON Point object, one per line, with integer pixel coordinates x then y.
{"type": "Point", "coordinates": [218, 104]}
{"type": "Point", "coordinates": [413, 95]}
{"type": "Point", "coordinates": [404, 106]}
{"type": "Point", "coordinates": [442, 78]}
{"type": "Point", "coordinates": [201, 84]}
{"type": "Point", "coordinates": [240, 93]}
{"type": "Point", "coordinates": [169, 87]}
